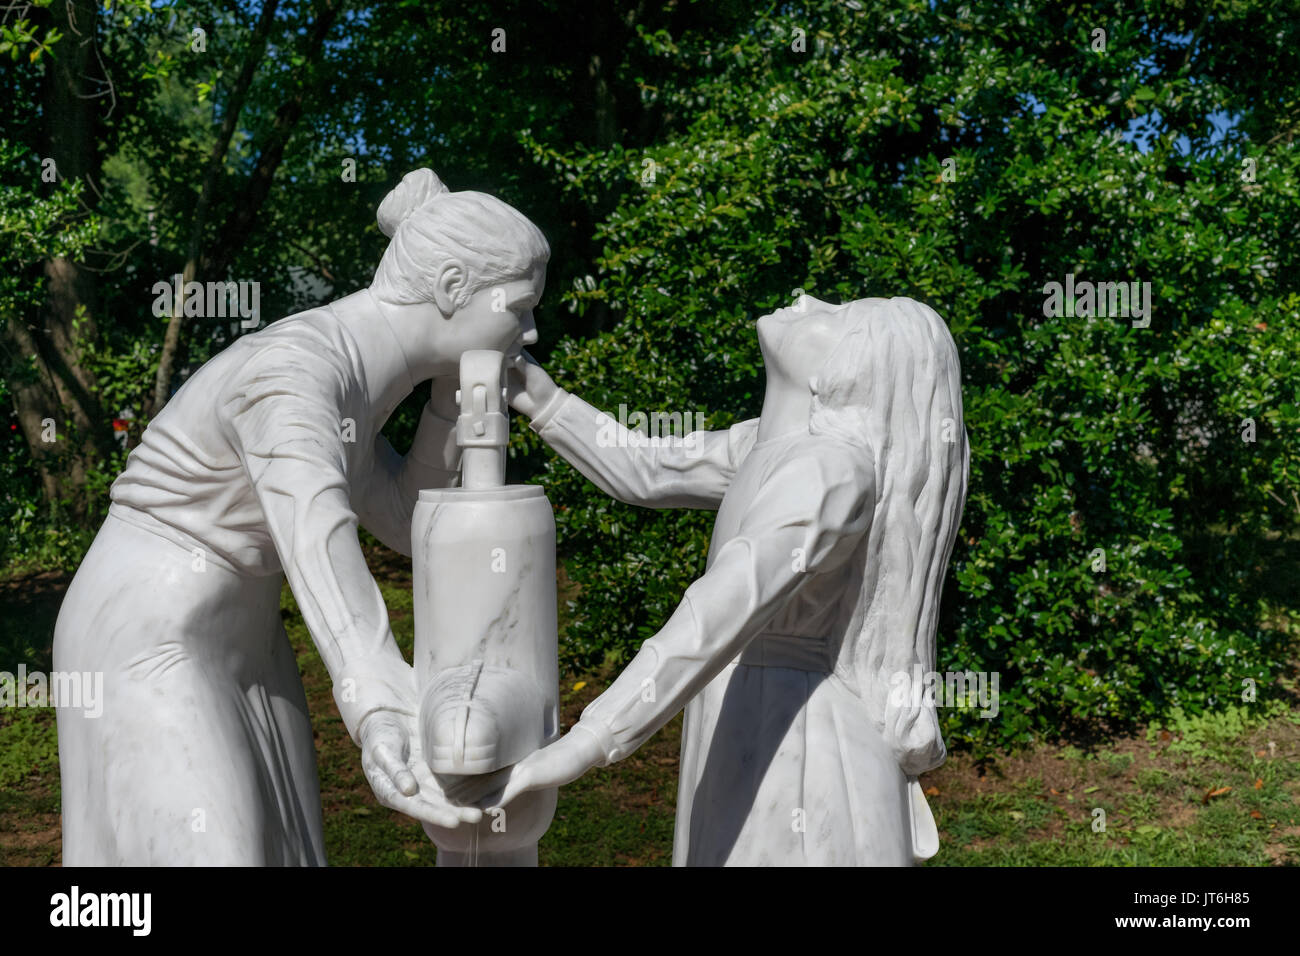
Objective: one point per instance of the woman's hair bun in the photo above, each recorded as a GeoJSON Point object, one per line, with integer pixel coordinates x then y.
{"type": "Point", "coordinates": [415, 189]}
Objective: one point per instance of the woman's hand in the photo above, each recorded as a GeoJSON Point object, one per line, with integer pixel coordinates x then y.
{"type": "Point", "coordinates": [528, 387]}
{"type": "Point", "coordinates": [395, 768]}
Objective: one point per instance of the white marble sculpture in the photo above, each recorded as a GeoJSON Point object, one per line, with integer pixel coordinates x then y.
{"type": "Point", "coordinates": [261, 466]}
{"type": "Point", "coordinates": [837, 512]}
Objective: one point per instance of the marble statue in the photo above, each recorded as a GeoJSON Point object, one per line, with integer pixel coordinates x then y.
{"type": "Point", "coordinates": [837, 512]}
{"type": "Point", "coordinates": [261, 467]}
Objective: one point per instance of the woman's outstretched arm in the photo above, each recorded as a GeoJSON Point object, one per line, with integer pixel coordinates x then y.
{"type": "Point", "coordinates": [286, 430]}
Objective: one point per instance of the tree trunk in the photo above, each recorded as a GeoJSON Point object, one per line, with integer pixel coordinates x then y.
{"type": "Point", "coordinates": [59, 413]}
{"type": "Point", "coordinates": [234, 106]}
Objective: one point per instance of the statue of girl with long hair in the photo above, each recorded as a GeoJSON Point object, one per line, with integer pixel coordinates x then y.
{"type": "Point", "coordinates": [837, 512]}
{"type": "Point", "coordinates": [258, 468]}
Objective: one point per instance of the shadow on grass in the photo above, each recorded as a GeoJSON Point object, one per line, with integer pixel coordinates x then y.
{"type": "Point", "coordinates": [29, 606]}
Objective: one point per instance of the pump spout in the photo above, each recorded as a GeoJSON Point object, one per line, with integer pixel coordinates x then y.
{"type": "Point", "coordinates": [482, 429]}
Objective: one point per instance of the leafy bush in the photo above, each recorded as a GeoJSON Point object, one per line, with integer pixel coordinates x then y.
{"type": "Point", "coordinates": [1091, 438]}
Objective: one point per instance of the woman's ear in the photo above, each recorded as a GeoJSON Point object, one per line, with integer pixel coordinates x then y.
{"type": "Point", "coordinates": [447, 288]}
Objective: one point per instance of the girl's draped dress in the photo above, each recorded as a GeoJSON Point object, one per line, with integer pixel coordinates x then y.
{"type": "Point", "coordinates": [781, 763]}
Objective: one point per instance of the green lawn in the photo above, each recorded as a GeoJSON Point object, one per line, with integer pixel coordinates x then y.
{"type": "Point", "coordinates": [1208, 792]}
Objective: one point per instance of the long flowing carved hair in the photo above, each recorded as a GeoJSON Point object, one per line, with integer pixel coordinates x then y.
{"type": "Point", "coordinates": [893, 385]}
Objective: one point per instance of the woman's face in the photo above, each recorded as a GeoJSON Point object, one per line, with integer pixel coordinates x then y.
{"type": "Point", "coordinates": [797, 341]}
{"type": "Point", "coordinates": [499, 318]}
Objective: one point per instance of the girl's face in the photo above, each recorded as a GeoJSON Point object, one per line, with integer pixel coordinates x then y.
{"type": "Point", "coordinates": [797, 341]}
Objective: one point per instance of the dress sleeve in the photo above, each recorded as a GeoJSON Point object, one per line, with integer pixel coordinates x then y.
{"type": "Point", "coordinates": [395, 481]}
{"type": "Point", "coordinates": [693, 471]}
{"type": "Point", "coordinates": [806, 519]}
{"type": "Point", "coordinates": [287, 432]}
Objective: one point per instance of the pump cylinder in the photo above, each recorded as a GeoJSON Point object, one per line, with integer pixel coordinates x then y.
{"type": "Point", "coordinates": [486, 654]}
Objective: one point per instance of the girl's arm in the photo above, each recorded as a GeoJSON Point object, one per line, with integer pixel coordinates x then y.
{"type": "Point", "coordinates": [690, 471]}
{"type": "Point", "coordinates": [808, 518]}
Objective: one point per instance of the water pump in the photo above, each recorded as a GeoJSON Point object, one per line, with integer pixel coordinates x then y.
{"type": "Point", "coordinates": [486, 654]}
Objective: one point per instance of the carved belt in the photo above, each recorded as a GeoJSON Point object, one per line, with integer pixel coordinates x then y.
{"type": "Point", "coordinates": [789, 650]}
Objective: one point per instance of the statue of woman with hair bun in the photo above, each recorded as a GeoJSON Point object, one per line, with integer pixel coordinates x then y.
{"type": "Point", "coordinates": [837, 512]}
{"type": "Point", "coordinates": [260, 467]}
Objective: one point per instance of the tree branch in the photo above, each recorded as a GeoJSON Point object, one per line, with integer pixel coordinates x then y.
{"type": "Point", "coordinates": [198, 221]}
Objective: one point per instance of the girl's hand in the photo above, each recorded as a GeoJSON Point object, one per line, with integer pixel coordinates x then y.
{"type": "Point", "coordinates": [553, 766]}
{"type": "Point", "coordinates": [528, 387]}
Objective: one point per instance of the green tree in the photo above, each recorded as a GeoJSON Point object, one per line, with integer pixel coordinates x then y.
{"type": "Point", "coordinates": [254, 142]}
{"type": "Point", "coordinates": [968, 156]}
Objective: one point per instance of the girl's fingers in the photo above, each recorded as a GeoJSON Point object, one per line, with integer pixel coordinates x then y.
{"type": "Point", "coordinates": [520, 781]}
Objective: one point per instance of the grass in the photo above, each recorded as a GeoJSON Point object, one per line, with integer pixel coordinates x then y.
{"type": "Point", "coordinates": [1219, 790]}
{"type": "Point", "coordinates": [1160, 801]}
